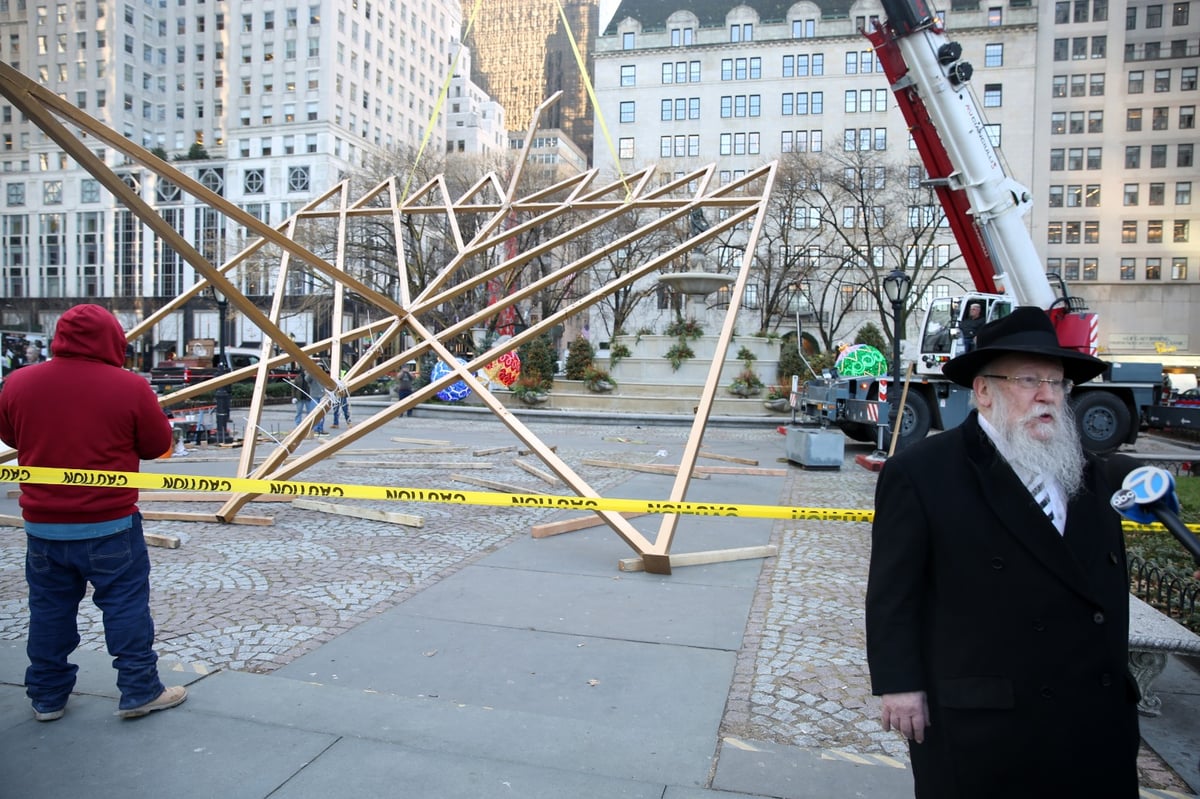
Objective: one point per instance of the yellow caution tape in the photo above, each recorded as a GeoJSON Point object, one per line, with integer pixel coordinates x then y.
{"type": "Point", "coordinates": [44, 475]}
{"type": "Point", "coordinates": [94, 478]}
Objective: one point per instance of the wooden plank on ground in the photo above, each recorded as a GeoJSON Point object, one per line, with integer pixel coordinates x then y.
{"type": "Point", "coordinates": [716, 456]}
{"type": "Point", "coordinates": [703, 558]}
{"type": "Point", "coordinates": [433, 442]}
{"type": "Point", "coordinates": [403, 450]}
{"type": "Point", "coordinates": [479, 453]}
{"type": "Point", "coordinates": [651, 468]}
{"type": "Point", "coordinates": [406, 519]}
{"type": "Point", "coordinates": [215, 496]}
{"type": "Point", "coordinates": [536, 472]}
{"type": "Point", "coordinates": [418, 464]}
{"type": "Point", "coordinates": [571, 525]}
{"type": "Point", "coordinates": [531, 452]}
{"type": "Point", "coordinates": [495, 485]}
{"type": "Point", "coordinates": [761, 471]}
{"type": "Point", "coordinates": [152, 539]}
{"type": "Point", "coordinates": [183, 516]}
{"type": "Point", "coordinates": [160, 540]}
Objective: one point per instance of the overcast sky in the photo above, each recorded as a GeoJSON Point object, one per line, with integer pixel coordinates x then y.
{"type": "Point", "coordinates": [607, 9]}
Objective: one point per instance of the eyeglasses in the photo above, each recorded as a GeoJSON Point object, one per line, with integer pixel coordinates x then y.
{"type": "Point", "coordinates": [1031, 383]}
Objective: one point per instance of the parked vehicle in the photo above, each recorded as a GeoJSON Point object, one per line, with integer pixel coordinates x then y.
{"type": "Point", "coordinates": [186, 371]}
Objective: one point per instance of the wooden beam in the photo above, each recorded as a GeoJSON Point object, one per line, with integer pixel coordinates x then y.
{"type": "Point", "coordinates": [406, 519]}
{"type": "Point", "coordinates": [651, 468]}
{"type": "Point", "coordinates": [760, 470]}
{"type": "Point", "coordinates": [536, 472]}
{"type": "Point", "coordinates": [534, 452]}
{"type": "Point", "coordinates": [571, 525]}
{"type": "Point", "coordinates": [493, 484]}
{"type": "Point", "coordinates": [703, 558]}
{"type": "Point", "coordinates": [161, 540]}
{"type": "Point", "coordinates": [181, 516]}
{"type": "Point", "coordinates": [403, 450]}
{"type": "Point", "coordinates": [419, 464]}
{"type": "Point", "coordinates": [479, 453]}
{"type": "Point", "coordinates": [431, 441]}
{"type": "Point", "coordinates": [731, 458]}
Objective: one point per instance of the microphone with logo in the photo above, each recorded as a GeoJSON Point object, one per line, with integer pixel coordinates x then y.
{"type": "Point", "coordinates": [1147, 494]}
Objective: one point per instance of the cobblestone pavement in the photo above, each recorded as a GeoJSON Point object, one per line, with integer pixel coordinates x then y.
{"type": "Point", "coordinates": [254, 598]}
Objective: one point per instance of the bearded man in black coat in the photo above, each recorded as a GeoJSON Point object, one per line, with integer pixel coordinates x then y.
{"type": "Point", "coordinates": [997, 606]}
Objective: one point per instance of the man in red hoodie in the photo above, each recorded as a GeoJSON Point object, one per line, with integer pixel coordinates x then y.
{"type": "Point", "coordinates": [79, 534]}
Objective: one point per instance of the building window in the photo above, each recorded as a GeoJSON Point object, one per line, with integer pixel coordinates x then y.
{"type": "Point", "coordinates": [1187, 79]}
{"type": "Point", "coordinates": [1054, 232]}
{"type": "Point", "coordinates": [1055, 198]}
{"type": "Point", "coordinates": [298, 178]}
{"type": "Point", "coordinates": [1179, 268]}
{"type": "Point", "coordinates": [1057, 159]}
{"type": "Point", "coordinates": [1133, 119]}
{"type": "Point", "coordinates": [1158, 156]}
{"type": "Point", "coordinates": [1154, 231]}
{"type": "Point", "coordinates": [1131, 194]}
{"type": "Point", "coordinates": [1075, 158]}
{"type": "Point", "coordinates": [628, 75]}
{"type": "Point", "coordinates": [1156, 194]}
{"type": "Point", "coordinates": [1154, 268]}
{"type": "Point", "coordinates": [1091, 231]}
{"type": "Point", "coordinates": [993, 55]}
{"type": "Point", "coordinates": [1187, 117]}
{"type": "Point", "coordinates": [992, 95]}
{"type": "Point", "coordinates": [1095, 123]}
{"type": "Point", "coordinates": [1184, 155]}
{"type": "Point", "coordinates": [1183, 192]}
{"type": "Point", "coordinates": [1128, 268]}
{"type": "Point", "coordinates": [1181, 231]}
{"type": "Point", "coordinates": [1137, 82]}
{"type": "Point", "coordinates": [1133, 156]}
{"type": "Point", "coordinates": [254, 182]}
{"type": "Point", "coordinates": [625, 148]}
{"type": "Point", "coordinates": [627, 111]}
{"type": "Point", "coordinates": [1162, 80]}
{"type": "Point", "coordinates": [1154, 16]}
{"type": "Point", "coordinates": [1129, 231]}
{"type": "Point", "coordinates": [627, 40]}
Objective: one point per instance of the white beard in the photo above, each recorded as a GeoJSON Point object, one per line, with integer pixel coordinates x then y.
{"type": "Point", "coordinates": [1059, 456]}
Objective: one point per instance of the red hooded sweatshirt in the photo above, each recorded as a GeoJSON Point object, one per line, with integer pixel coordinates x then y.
{"type": "Point", "coordinates": [82, 410]}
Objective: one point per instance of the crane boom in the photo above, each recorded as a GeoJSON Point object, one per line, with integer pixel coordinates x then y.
{"type": "Point", "coordinates": [983, 204]}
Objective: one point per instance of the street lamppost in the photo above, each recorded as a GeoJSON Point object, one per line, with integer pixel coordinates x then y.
{"type": "Point", "coordinates": [223, 393]}
{"type": "Point", "coordinates": [895, 287]}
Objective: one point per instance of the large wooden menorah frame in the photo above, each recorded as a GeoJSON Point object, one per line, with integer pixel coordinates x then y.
{"type": "Point", "coordinates": [670, 205]}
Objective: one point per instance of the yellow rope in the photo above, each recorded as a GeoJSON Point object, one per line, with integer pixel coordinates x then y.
{"type": "Point", "coordinates": [441, 102]}
{"type": "Point", "coordinates": [591, 91]}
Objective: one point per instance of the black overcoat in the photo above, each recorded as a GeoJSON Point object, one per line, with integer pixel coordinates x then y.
{"type": "Point", "coordinates": [1018, 635]}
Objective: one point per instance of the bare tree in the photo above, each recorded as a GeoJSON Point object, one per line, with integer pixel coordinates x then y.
{"type": "Point", "coordinates": [869, 213]}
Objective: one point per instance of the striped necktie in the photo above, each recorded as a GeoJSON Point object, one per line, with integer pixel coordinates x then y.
{"type": "Point", "coordinates": [1041, 495]}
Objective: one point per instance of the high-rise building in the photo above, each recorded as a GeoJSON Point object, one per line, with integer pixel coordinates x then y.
{"type": "Point", "coordinates": [524, 54]}
{"type": "Point", "coordinates": [1093, 111]}
{"type": "Point", "coordinates": [267, 105]}
{"type": "Point", "coordinates": [1115, 143]}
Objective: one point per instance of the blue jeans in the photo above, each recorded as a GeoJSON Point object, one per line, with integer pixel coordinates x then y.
{"type": "Point", "coordinates": [58, 572]}
{"type": "Point", "coordinates": [343, 406]}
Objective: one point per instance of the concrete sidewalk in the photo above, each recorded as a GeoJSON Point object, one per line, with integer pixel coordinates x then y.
{"type": "Point", "coordinates": [534, 669]}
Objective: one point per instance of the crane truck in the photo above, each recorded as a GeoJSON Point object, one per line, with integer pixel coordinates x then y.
{"type": "Point", "coordinates": [984, 208]}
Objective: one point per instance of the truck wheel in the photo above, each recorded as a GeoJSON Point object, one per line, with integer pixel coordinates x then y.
{"type": "Point", "coordinates": [915, 421]}
{"type": "Point", "coordinates": [856, 431]}
{"type": "Point", "coordinates": [1103, 421]}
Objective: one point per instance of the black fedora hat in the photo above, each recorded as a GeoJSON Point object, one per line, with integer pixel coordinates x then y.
{"type": "Point", "coordinates": [1026, 331]}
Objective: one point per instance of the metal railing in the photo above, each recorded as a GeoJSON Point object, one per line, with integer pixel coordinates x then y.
{"type": "Point", "coordinates": [1172, 593]}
